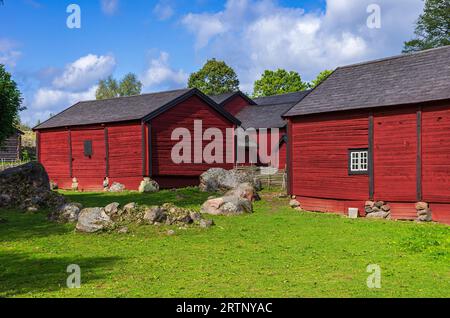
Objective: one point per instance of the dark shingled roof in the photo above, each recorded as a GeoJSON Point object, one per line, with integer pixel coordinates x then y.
{"type": "Point", "coordinates": [223, 98]}
{"type": "Point", "coordinates": [290, 98]}
{"type": "Point", "coordinates": [123, 109]}
{"type": "Point", "coordinates": [219, 99]}
{"type": "Point", "coordinates": [268, 112]}
{"type": "Point", "coordinates": [405, 79]}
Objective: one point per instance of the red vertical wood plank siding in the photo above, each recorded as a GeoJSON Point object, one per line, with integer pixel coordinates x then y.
{"type": "Point", "coordinates": [320, 156]}
{"type": "Point", "coordinates": [125, 154]}
{"type": "Point", "coordinates": [89, 170]}
{"type": "Point", "coordinates": [183, 116]}
{"type": "Point", "coordinates": [54, 156]}
{"type": "Point", "coordinates": [436, 154]}
{"type": "Point", "coordinates": [267, 136]}
{"type": "Point", "coordinates": [289, 161]}
{"type": "Point", "coordinates": [235, 105]}
{"type": "Point", "coordinates": [395, 155]}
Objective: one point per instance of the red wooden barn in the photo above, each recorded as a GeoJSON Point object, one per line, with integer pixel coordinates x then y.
{"type": "Point", "coordinates": [262, 114]}
{"type": "Point", "coordinates": [378, 130]}
{"type": "Point", "coordinates": [128, 138]}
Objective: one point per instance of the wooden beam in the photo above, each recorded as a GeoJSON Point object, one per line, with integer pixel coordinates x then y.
{"type": "Point", "coordinates": [70, 153]}
{"type": "Point", "coordinates": [143, 149]}
{"type": "Point", "coordinates": [371, 161]}
{"type": "Point", "coordinates": [289, 157]}
{"type": "Point", "coordinates": [419, 156]}
{"type": "Point", "coordinates": [107, 151]}
{"type": "Point", "coordinates": [150, 154]}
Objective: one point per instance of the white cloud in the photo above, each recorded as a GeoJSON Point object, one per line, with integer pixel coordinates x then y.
{"type": "Point", "coordinates": [9, 54]}
{"type": "Point", "coordinates": [160, 75]}
{"type": "Point", "coordinates": [58, 89]}
{"type": "Point", "coordinates": [85, 71]}
{"type": "Point", "coordinates": [163, 10]}
{"type": "Point", "coordinates": [110, 7]}
{"type": "Point", "coordinates": [253, 35]}
{"type": "Point", "coordinates": [52, 99]}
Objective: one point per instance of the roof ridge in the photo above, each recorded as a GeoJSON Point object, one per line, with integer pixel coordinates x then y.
{"type": "Point", "coordinates": [395, 57]}
{"type": "Point", "coordinates": [131, 96]}
{"type": "Point", "coordinates": [284, 94]}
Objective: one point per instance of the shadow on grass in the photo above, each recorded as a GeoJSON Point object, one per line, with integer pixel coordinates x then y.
{"type": "Point", "coordinates": [188, 197]}
{"type": "Point", "coordinates": [19, 226]}
{"type": "Point", "coordinates": [22, 273]}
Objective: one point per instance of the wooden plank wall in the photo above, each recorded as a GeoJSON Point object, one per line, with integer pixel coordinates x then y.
{"type": "Point", "coordinates": [183, 116]}
{"type": "Point", "coordinates": [395, 150]}
{"type": "Point", "coordinates": [235, 105]}
{"type": "Point", "coordinates": [320, 156]}
{"type": "Point", "coordinates": [436, 154]}
{"type": "Point", "coordinates": [54, 155]}
{"type": "Point", "coordinates": [10, 149]}
{"type": "Point", "coordinates": [90, 171]}
{"type": "Point", "coordinates": [125, 154]}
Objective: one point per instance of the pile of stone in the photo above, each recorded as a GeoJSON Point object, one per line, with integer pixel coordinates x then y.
{"type": "Point", "coordinates": [221, 180]}
{"type": "Point", "coordinates": [28, 187]}
{"type": "Point", "coordinates": [114, 217]}
{"type": "Point", "coordinates": [377, 210]}
{"type": "Point", "coordinates": [235, 202]}
{"type": "Point", "coordinates": [423, 212]}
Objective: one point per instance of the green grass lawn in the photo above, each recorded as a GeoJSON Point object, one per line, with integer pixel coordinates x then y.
{"type": "Point", "coordinates": [275, 252]}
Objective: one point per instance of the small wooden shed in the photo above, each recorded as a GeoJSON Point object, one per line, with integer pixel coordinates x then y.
{"type": "Point", "coordinates": [11, 148]}
{"type": "Point", "coordinates": [128, 138]}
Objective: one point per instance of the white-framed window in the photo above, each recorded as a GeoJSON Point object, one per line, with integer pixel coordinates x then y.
{"type": "Point", "coordinates": [358, 161]}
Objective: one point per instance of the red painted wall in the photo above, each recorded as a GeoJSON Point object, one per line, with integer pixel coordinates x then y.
{"type": "Point", "coordinates": [125, 155]}
{"type": "Point", "coordinates": [320, 147]}
{"type": "Point", "coordinates": [54, 155]}
{"type": "Point", "coordinates": [183, 116]}
{"type": "Point", "coordinates": [436, 153]}
{"type": "Point", "coordinates": [319, 160]}
{"type": "Point", "coordinates": [395, 155]}
{"type": "Point", "coordinates": [267, 135]}
{"type": "Point", "coordinates": [235, 105]}
{"type": "Point", "coordinates": [89, 171]}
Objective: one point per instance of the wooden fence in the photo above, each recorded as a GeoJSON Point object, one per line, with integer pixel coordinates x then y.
{"type": "Point", "coordinates": [6, 164]}
{"type": "Point", "coordinates": [269, 177]}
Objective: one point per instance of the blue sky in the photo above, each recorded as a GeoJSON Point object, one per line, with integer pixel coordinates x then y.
{"type": "Point", "coordinates": [163, 41]}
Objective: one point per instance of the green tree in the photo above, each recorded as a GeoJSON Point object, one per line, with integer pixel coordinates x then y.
{"type": "Point", "coordinates": [432, 28]}
{"type": "Point", "coordinates": [278, 82]}
{"type": "Point", "coordinates": [110, 88]}
{"type": "Point", "coordinates": [214, 78]}
{"type": "Point", "coordinates": [130, 85]}
{"type": "Point", "coordinates": [107, 88]}
{"type": "Point", "coordinates": [320, 78]}
{"type": "Point", "coordinates": [10, 104]}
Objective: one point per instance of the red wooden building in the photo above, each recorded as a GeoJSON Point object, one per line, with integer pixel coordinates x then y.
{"type": "Point", "coordinates": [128, 138]}
{"type": "Point", "coordinates": [262, 114]}
{"type": "Point", "coordinates": [378, 130]}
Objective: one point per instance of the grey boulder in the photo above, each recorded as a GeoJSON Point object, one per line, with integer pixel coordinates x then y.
{"type": "Point", "coordinates": [93, 220]}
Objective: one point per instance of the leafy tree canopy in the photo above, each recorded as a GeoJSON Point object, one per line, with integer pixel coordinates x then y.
{"type": "Point", "coordinates": [278, 82]}
{"type": "Point", "coordinates": [432, 28]}
{"type": "Point", "coordinates": [130, 85]}
{"type": "Point", "coordinates": [320, 78]}
{"type": "Point", "coordinates": [110, 88]}
{"type": "Point", "coordinates": [10, 104]}
{"type": "Point", "coordinates": [214, 78]}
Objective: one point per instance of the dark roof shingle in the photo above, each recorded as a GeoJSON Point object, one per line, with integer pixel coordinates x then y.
{"type": "Point", "coordinates": [405, 79]}
{"type": "Point", "coordinates": [122, 109]}
{"type": "Point", "coordinates": [268, 112]}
